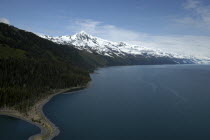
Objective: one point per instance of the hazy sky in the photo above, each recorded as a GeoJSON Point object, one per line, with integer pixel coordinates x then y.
{"type": "Point", "coordinates": [182, 26]}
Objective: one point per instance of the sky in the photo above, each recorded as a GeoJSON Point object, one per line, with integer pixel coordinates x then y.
{"type": "Point", "coordinates": [181, 26]}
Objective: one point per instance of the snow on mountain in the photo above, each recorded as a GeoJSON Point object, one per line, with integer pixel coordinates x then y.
{"type": "Point", "coordinates": [84, 41]}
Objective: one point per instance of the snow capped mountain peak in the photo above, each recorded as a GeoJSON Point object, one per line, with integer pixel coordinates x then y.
{"type": "Point", "coordinates": [82, 36]}
{"type": "Point", "coordinates": [83, 33]}
{"type": "Point", "coordinates": [92, 44]}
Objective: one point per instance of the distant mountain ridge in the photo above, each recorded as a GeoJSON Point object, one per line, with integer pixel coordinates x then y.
{"type": "Point", "coordinates": [92, 44]}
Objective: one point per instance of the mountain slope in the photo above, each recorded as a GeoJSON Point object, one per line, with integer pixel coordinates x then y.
{"type": "Point", "coordinates": [120, 50]}
{"type": "Point", "coordinates": [31, 66]}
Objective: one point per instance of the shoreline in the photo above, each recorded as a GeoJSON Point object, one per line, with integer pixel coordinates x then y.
{"type": "Point", "coordinates": [37, 117]}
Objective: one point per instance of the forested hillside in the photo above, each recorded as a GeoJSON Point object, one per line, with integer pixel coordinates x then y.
{"type": "Point", "coordinates": [30, 67]}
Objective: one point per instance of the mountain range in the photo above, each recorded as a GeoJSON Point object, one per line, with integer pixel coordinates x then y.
{"type": "Point", "coordinates": [121, 50]}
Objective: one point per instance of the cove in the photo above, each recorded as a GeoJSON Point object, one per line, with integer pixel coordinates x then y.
{"type": "Point", "coordinates": [16, 129]}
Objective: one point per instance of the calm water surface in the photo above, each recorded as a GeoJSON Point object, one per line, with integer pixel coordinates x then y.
{"type": "Point", "coordinates": [16, 129]}
{"type": "Point", "coordinates": [167, 102]}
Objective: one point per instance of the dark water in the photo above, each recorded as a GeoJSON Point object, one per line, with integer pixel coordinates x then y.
{"type": "Point", "coordinates": [16, 129]}
{"type": "Point", "coordinates": [137, 103]}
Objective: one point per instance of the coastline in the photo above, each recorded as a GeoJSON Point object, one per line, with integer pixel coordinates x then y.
{"type": "Point", "coordinates": [37, 117]}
